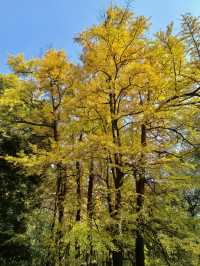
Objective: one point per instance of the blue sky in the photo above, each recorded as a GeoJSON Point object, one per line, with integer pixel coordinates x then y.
{"type": "Point", "coordinates": [32, 26]}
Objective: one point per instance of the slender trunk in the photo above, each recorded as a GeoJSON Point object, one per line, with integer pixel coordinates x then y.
{"type": "Point", "coordinates": [117, 256]}
{"type": "Point", "coordinates": [139, 248]}
{"type": "Point", "coordinates": [90, 209]}
{"type": "Point", "coordinates": [78, 185]}
{"type": "Point", "coordinates": [60, 198]}
{"type": "Point", "coordinates": [78, 194]}
{"type": "Point", "coordinates": [110, 205]}
{"type": "Point", "coordinates": [140, 183]}
{"type": "Point", "coordinates": [61, 187]}
{"type": "Point", "coordinates": [118, 184]}
{"type": "Point", "coordinates": [90, 192]}
{"type": "Point", "coordinates": [78, 191]}
{"type": "Point", "coordinates": [109, 198]}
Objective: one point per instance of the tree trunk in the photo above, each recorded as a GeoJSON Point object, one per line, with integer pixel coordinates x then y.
{"type": "Point", "coordinates": [61, 189]}
{"type": "Point", "coordinates": [139, 247]}
{"type": "Point", "coordinates": [90, 192]}
{"type": "Point", "coordinates": [90, 207]}
{"type": "Point", "coordinates": [78, 185]}
{"type": "Point", "coordinates": [109, 198]}
{"type": "Point", "coordinates": [140, 182]}
{"type": "Point", "coordinates": [117, 256]}
{"type": "Point", "coordinates": [78, 195]}
{"type": "Point", "coordinates": [78, 191]}
{"type": "Point", "coordinates": [60, 197]}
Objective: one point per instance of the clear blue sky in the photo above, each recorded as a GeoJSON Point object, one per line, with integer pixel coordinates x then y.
{"type": "Point", "coordinates": [31, 26]}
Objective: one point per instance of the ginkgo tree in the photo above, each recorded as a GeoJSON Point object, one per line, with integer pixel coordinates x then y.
{"type": "Point", "coordinates": [36, 102]}
{"type": "Point", "coordinates": [138, 85]}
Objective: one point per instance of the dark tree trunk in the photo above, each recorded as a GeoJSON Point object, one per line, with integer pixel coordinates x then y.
{"type": "Point", "coordinates": [90, 209]}
{"type": "Point", "coordinates": [61, 189]}
{"type": "Point", "coordinates": [61, 181]}
{"type": "Point", "coordinates": [78, 191]}
{"type": "Point", "coordinates": [78, 185]}
{"type": "Point", "coordinates": [139, 250]}
{"type": "Point", "coordinates": [90, 192]}
{"type": "Point", "coordinates": [140, 183]}
{"type": "Point", "coordinates": [78, 194]}
{"type": "Point", "coordinates": [117, 256]}
{"type": "Point", "coordinates": [139, 247]}
{"type": "Point", "coordinates": [109, 198]}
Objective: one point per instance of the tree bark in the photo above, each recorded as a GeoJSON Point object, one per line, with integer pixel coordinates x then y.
{"type": "Point", "coordinates": [60, 198]}
{"type": "Point", "coordinates": [117, 256]}
{"type": "Point", "coordinates": [78, 195]}
{"type": "Point", "coordinates": [109, 198]}
{"type": "Point", "coordinates": [140, 186]}
{"type": "Point", "coordinates": [61, 193]}
{"type": "Point", "coordinates": [78, 186]}
{"type": "Point", "coordinates": [78, 191]}
{"type": "Point", "coordinates": [90, 209]}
